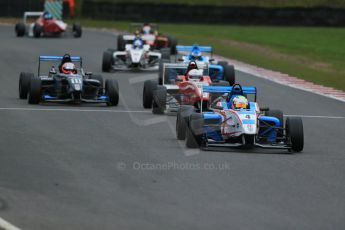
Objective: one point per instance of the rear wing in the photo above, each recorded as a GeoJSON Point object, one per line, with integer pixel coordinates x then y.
{"type": "Point", "coordinates": [228, 89]}
{"type": "Point", "coordinates": [138, 25]}
{"type": "Point", "coordinates": [47, 58]}
{"type": "Point", "coordinates": [172, 70]}
{"type": "Point", "coordinates": [56, 58]}
{"type": "Point", "coordinates": [207, 49]}
{"type": "Point", "coordinates": [31, 14]}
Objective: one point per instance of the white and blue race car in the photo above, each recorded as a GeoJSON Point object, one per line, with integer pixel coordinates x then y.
{"type": "Point", "coordinates": [223, 126]}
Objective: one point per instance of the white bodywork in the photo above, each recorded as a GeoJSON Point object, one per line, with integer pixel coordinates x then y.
{"type": "Point", "coordinates": [136, 56]}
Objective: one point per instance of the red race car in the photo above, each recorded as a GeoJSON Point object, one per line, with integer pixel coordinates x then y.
{"type": "Point", "coordinates": [182, 85]}
{"type": "Point", "coordinates": [45, 25]}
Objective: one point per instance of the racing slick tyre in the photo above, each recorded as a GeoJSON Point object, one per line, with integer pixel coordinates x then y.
{"type": "Point", "coordinates": [77, 30]}
{"type": "Point", "coordinates": [182, 117]}
{"type": "Point", "coordinates": [229, 74]}
{"type": "Point", "coordinates": [277, 114]}
{"type": "Point", "coordinates": [99, 78]}
{"type": "Point", "coordinates": [160, 70]}
{"type": "Point", "coordinates": [38, 29]}
{"type": "Point", "coordinates": [112, 91]}
{"type": "Point", "coordinates": [172, 43]}
{"type": "Point", "coordinates": [107, 61]}
{"type": "Point", "coordinates": [159, 100]}
{"type": "Point", "coordinates": [35, 91]}
{"type": "Point", "coordinates": [214, 96]}
{"type": "Point", "coordinates": [121, 43]}
{"type": "Point", "coordinates": [294, 133]}
{"type": "Point", "coordinates": [194, 131]}
{"type": "Point", "coordinates": [149, 87]}
{"type": "Point", "coordinates": [24, 84]}
{"type": "Point", "coordinates": [165, 54]}
{"type": "Point", "coordinates": [20, 29]}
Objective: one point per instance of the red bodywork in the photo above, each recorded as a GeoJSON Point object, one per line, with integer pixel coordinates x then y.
{"type": "Point", "coordinates": [50, 26]}
{"type": "Point", "coordinates": [190, 92]}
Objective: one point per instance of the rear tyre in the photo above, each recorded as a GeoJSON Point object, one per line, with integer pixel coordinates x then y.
{"type": "Point", "coordinates": [195, 131]}
{"type": "Point", "coordinates": [20, 29]}
{"type": "Point", "coordinates": [172, 44]}
{"type": "Point", "coordinates": [149, 87]}
{"type": "Point", "coordinates": [77, 30]}
{"type": "Point", "coordinates": [112, 91]}
{"type": "Point", "coordinates": [24, 84]}
{"type": "Point", "coordinates": [182, 121]}
{"type": "Point", "coordinates": [121, 43]}
{"type": "Point", "coordinates": [159, 100]}
{"type": "Point", "coordinates": [229, 74]}
{"type": "Point", "coordinates": [294, 132]}
{"type": "Point", "coordinates": [166, 54]}
{"type": "Point", "coordinates": [38, 29]}
{"type": "Point", "coordinates": [35, 91]}
{"type": "Point", "coordinates": [107, 61]}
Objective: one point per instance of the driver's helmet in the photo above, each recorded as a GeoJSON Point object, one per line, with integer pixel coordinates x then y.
{"type": "Point", "coordinates": [239, 102]}
{"type": "Point", "coordinates": [47, 15]}
{"type": "Point", "coordinates": [138, 43]}
{"type": "Point", "coordinates": [196, 54]}
{"type": "Point", "coordinates": [68, 68]}
{"type": "Point", "coordinates": [146, 29]}
{"type": "Point", "coordinates": [195, 73]}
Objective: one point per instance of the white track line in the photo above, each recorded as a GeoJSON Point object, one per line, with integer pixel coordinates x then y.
{"type": "Point", "coordinates": [136, 111]}
{"type": "Point", "coordinates": [75, 110]}
{"type": "Point", "coordinates": [7, 226]}
{"type": "Point", "coordinates": [310, 116]}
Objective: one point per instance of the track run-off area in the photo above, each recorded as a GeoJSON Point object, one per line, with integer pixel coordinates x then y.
{"type": "Point", "coordinates": [97, 167]}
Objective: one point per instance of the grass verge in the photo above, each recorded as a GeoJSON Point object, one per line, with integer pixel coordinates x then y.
{"type": "Point", "coordinates": [314, 54]}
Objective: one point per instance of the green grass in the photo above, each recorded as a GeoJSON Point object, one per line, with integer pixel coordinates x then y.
{"type": "Point", "coordinates": [314, 54]}
{"type": "Point", "coordinates": [261, 3]}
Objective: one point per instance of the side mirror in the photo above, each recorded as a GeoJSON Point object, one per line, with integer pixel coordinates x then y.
{"type": "Point", "coordinates": [88, 73]}
{"type": "Point", "coordinates": [264, 109]}
{"type": "Point", "coordinates": [180, 59]}
{"type": "Point", "coordinates": [211, 60]}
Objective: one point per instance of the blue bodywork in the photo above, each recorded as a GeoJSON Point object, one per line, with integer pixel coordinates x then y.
{"type": "Point", "coordinates": [213, 121]}
{"type": "Point", "coordinates": [216, 72]}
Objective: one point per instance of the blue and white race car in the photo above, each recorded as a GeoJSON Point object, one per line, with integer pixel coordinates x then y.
{"type": "Point", "coordinates": [233, 121]}
{"type": "Point", "coordinates": [220, 71]}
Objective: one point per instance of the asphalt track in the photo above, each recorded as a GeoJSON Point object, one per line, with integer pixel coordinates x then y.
{"type": "Point", "coordinates": [122, 167]}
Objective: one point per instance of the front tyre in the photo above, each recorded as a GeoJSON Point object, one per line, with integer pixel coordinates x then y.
{"type": "Point", "coordinates": [112, 91]}
{"type": "Point", "coordinates": [24, 84]}
{"type": "Point", "coordinates": [35, 91]}
{"type": "Point", "coordinates": [107, 61]}
{"type": "Point", "coordinates": [295, 134]}
{"type": "Point", "coordinates": [159, 100]}
{"type": "Point", "coordinates": [195, 131]}
{"type": "Point", "coordinates": [149, 87]}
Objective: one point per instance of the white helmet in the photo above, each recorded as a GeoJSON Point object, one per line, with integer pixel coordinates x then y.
{"type": "Point", "coordinates": [195, 73]}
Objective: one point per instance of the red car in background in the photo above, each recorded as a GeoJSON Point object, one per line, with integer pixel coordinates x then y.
{"type": "Point", "coordinates": [45, 25]}
{"type": "Point", "coordinates": [182, 84]}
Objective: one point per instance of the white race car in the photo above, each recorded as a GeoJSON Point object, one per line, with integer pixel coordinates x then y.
{"type": "Point", "coordinates": [135, 56]}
